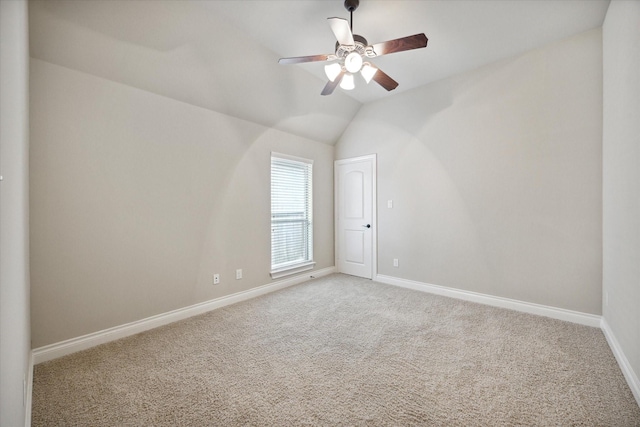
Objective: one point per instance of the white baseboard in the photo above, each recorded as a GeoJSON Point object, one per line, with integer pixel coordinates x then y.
{"type": "Point", "coordinates": [625, 366]}
{"type": "Point", "coordinates": [63, 348]}
{"type": "Point", "coordinates": [525, 307]}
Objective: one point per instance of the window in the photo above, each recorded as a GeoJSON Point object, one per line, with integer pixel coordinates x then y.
{"type": "Point", "coordinates": [291, 215]}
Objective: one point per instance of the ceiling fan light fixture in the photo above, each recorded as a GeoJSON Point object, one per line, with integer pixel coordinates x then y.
{"type": "Point", "coordinates": [332, 71]}
{"type": "Point", "coordinates": [347, 82]}
{"type": "Point", "coordinates": [368, 71]}
{"type": "Point", "coordinates": [351, 51]}
{"type": "Point", "coordinates": [353, 62]}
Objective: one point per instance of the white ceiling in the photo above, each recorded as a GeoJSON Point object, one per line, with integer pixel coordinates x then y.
{"type": "Point", "coordinates": [463, 34]}
{"type": "Point", "coordinates": [222, 55]}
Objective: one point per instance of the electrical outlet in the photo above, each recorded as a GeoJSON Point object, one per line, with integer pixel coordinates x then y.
{"type": "Point", "coordinates": [390, 204]}
{"type": "Point", "coordinates": [239, 274]}
{"type": "Point", "coordinates": [216, 279]}
{"type": "Point", "coordinates": [395, 262]}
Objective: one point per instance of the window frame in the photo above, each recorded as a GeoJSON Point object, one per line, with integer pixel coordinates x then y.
{"type": "Point", "coordinates": [293, 267]}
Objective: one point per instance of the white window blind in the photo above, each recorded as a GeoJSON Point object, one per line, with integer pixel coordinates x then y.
{"type": "Point", "coordinates": [291, 215]}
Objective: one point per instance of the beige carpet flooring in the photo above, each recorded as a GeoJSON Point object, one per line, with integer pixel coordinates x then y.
{"type": "Point", "coordinates": [343, 351]}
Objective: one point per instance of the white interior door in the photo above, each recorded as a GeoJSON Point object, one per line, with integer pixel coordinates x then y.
{"type": "Point", "coordinates": [355, 215]}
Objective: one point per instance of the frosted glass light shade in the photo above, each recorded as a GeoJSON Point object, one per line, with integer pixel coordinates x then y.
{"type": "Point", "coordinates": [347, 82]}
{"type": "Point", "coordinates": [368, 71]}
{"type": "Point", "coordinates": [353, 62]}
{"type": "Point", "coordinates": [332, 70]}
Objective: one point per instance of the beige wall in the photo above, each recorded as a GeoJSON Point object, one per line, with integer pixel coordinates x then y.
{"type": "Point", "coordinates": [137, 199]}
{"type": "Point", "coordinates": [621, 178]}
{"type": "Point", "coordinates": [15, 343]}
{"type": "Point", "coordinates": [495, 177]}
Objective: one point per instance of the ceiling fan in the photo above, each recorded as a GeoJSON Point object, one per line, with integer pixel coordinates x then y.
{"type": "Point", "coordinates": [352, 52]}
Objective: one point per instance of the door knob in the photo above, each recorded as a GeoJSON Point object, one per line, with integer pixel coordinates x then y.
{"type": "Point", "coordinates": [367, 226]}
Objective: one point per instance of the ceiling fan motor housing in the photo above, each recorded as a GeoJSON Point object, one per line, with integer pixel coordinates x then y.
{"type": "Point", "coordinates": [360, 47]}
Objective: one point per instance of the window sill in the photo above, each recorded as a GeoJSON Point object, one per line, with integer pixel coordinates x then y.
{"type": "Point", "coordinates": [287, 271]}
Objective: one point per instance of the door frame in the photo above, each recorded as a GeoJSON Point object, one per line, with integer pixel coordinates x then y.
{"type": "Point", "coordinates": [374, 207]}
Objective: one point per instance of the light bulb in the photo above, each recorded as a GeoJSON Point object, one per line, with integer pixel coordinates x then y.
{"type": "Point", "coordinates": [368, 71]}
{"type": "Point", "coordinates": [353, 62]}
{"type": "Point", "coordinates": [332, 70]}
{"type": "Point", "coordinates": [347, 82]}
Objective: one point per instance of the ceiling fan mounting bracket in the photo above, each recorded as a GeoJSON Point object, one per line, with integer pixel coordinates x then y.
{"type": "Point", "coordinates": [351, 5]}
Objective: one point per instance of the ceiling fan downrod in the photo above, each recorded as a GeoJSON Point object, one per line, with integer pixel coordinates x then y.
{"type": "Point", "coordinates": [351, 5]}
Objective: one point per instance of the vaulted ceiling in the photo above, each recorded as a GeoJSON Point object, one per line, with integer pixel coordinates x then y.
{"type": "Point", "coordinates": [222, 55]}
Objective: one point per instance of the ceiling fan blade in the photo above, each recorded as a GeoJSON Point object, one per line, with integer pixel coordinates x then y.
{"type": "Point", "coordinates": [332, 85]}
{"type": "Point", "coordinates": [384, 80]}
{"type": "Point", "coordinates": [342, 31]}
{"type": "Point", "coordinates": [311, 58]}
{"type": "Point", "coordinates": [416, 41]}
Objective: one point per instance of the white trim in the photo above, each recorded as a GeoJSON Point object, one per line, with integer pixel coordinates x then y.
{"type": "Point", "coordinates": [374, 208]}
{"type": "Point", "coordinates": [623, 362]}
{"type": "Point", "coordinates": [63, 348]}
{"type": "Point", "coordinates": [293, 269]}
{"type": "Point", "coordinates": [511, 304]}
{"type": "Point", "coordinates": [374, 213]}
{"type": "Point", "coordinates": [290, 157]}
{"type": "Point", "coordinates": [29, 392]}
{"type": "Point", "coordinates": [335, 216]}
{"type": "Point", "coordinates": [283, 181]}
{"type": "Point", "coordinates": [357, 159]}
